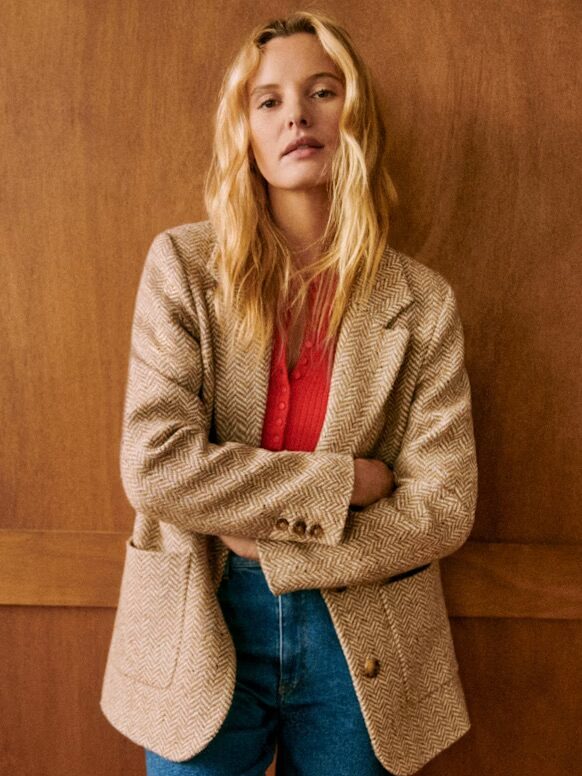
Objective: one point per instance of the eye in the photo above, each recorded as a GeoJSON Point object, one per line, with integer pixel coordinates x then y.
{"type": "Point", "coordinates": [271, 99]}
{"type": "Point", "coordinates": [319, 91]}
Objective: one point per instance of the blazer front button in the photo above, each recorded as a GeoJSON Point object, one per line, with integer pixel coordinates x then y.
{"type": "Point", "coordinates": [339, 589]}
{"type": "Point", "coordinates": [371, 666]}
{"type": "Point", "coordinates": [298, 527]}
{"type": "Point", "coordinates": [315, 530]}
{"type": "Point", "coordinates": [282, 522]}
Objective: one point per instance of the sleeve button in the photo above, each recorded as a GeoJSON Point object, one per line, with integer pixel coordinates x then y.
{"type": "Point", "coordinates": [315, 530]}
{"type": "Point", "coordinates": [298, 527]}
{"type": "Point", "coordinates": [282, 522]}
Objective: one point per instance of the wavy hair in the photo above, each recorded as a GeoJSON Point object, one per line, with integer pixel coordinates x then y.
{"type": "Point", "coordinates": [258, 281]}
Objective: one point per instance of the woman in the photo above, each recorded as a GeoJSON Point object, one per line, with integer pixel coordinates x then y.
{"type": "Point", "coordinates": [298, 446]}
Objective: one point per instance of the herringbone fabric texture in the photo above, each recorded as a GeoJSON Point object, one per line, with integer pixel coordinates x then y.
{"type": "Point", "coordinates": [192, 468]}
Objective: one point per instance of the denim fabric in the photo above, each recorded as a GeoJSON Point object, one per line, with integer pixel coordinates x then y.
{"type": "Point", "coordinates": [293, 689]}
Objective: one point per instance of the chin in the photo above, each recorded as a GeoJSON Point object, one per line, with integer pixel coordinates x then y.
{"type": "Point", "coordinates": [299, 183]}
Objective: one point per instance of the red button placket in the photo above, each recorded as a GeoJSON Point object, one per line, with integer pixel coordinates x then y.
{"type": "Point", "coordinates": [282, 381]}
{"type": "Point", "coordinates": [304, 363]}
{"type": "Point", "coordinates": [280, 399]}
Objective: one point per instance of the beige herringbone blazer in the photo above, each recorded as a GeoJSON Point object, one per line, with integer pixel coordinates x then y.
{"type": "Point", "coordinates": [192, 468]}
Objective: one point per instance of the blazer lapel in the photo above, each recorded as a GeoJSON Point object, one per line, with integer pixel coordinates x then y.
{"type": "Point", "coordinates": [369, 352]}
{"type": "Point", "coordinates": [242, 379]}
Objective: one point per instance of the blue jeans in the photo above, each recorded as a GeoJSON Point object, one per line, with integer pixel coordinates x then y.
{"type": "Point", "coordinates": [293, 689]}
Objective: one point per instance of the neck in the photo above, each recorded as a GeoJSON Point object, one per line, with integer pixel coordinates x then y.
{"type": "Point", "coordinates": [302, 217]}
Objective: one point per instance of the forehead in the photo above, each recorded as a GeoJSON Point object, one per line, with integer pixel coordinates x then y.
{"type": "Point", "coordinates": [293, 58]}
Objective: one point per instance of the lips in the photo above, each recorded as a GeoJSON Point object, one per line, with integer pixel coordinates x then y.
{"type": "Point", "coordinates": [305, 140]}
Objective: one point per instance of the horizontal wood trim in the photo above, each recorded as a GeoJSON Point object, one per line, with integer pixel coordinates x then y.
{"type": "Point", "coordinates": [491, 579]}
{"type": "Point", "coordinates": [83, 568]}
{"type": "Point", "coordinates": [60, 568]}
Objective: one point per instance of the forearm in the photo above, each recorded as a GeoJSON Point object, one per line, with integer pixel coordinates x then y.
{"type": "Point", "coordinates": [393, 535]}
{"type": "Point", "coordinates": [240, 490]}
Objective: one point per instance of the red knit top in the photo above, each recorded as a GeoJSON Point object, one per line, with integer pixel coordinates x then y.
{"type": "Point", "coordinates": [297, 401]}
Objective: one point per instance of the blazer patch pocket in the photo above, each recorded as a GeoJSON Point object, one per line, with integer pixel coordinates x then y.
{"type": "Point", "coordinates": [417, 612]}
{"type": "Point", "coordinates": [149, 622]}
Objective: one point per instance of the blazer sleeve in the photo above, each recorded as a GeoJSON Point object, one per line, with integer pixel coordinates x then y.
{"type": "Point", "coordinates": [170, 469]}
{"type": "Point", "coordinates": [431, 511]}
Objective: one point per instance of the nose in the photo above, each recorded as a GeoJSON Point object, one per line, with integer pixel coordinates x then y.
{"type": "Point", "coordinates": [298, 120]}
{"type": "Point", "coordinates": [298, 115]}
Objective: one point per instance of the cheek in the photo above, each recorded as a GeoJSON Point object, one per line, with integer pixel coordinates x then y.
{"type": "Point", "coordinates": [264, 157]}
{"type": "Point", "coordinates": [336, 120]}
{"type": "Point", "coordinates": [255, 136]}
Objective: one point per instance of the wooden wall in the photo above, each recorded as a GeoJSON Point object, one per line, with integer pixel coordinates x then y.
{"type": "Point", "coordinates": [104, 139]}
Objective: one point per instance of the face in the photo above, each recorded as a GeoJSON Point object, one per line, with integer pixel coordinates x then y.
{"type": "Point", "coordinates": [294, 93]}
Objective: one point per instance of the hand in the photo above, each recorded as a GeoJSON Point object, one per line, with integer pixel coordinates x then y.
{"type": "Point", "coordinates": [373, 480]}
{"type": "Point", "coordinates": [241, 545]}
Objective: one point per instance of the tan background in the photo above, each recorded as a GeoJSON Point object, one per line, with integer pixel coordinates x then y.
{"type": "Point", "coordinates": [104, 140]}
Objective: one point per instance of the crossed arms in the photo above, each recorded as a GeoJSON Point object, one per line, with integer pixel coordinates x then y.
{"type": "Point", "coordinates": [170, 469]}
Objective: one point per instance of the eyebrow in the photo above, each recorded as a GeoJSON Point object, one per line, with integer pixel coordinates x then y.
{"type": "Point", "coordinates": [315, 76]}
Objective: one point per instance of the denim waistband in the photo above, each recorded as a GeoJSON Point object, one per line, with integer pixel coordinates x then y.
{"type": "Point", "coordinates": [235, 561]}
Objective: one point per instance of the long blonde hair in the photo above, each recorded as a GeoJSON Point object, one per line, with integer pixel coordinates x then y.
{"type": "Point", "coordinates": [255, 267]}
